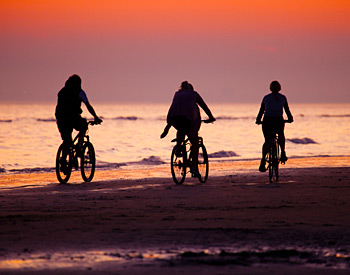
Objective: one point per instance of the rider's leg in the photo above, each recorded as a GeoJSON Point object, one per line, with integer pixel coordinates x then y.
{"type": "Point", "coordinates": [65, 128]}
{"type": "Point", "coordinates": [265, 147]}
{"type": "Point", "coordinates": [194, 152]}
{"type": "Point", "coordinates": [180, 136]}
{"type": "Point", "coordinates": [282, 141]}
{"type": "Point", "coordinates": [81, 138]}
{"type": "Point", "coordinates": [193, 136]}
{"type": "Point", "coordinates": [177, 123]}
{"type": "Point", "coordinates": [81, 125]}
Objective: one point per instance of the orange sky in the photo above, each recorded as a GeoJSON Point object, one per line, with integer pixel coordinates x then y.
{"type": "Point", "coordinates": [220, 45]}
{"type": "Point", "coordinates": [61, 17]}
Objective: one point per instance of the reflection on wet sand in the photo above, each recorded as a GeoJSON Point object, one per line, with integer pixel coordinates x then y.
{"type": "Point", "coordinates": [125, 221]}
{"type": "Point", "coordinates": [243, 256]}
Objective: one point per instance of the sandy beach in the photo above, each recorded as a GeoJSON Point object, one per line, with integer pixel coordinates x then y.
{"type": "Point", "coordinates": [131, 221]}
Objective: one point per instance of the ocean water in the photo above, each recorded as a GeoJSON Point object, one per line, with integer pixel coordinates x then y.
{"type": "Point", "coordinates": [129, 134]}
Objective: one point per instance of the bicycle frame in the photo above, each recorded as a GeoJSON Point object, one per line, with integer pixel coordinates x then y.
{"type": "Point", "coordinates": [181, 159]}
{"type": "Point", "coordinates": [273, 156]}
{"type": "Point", "coordinates": [67, 158]}
{"type": "Point", "coordinates": [187, 144]}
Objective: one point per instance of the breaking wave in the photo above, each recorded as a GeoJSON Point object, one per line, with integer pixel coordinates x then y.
{"type": "Point", "coordinates": [341, 115]}
{"type": "Point", "coordinates": [233, 118]}
{"type": "Point", "coordinates": [46, 120]}
{"type": "Point", "coordinates": [296, 256]}
{"type": "Point", "coordinates": [129, 118]}
{"type": "Point", "coordinates": [126, 118]}
{"type": "Point", "coordinates": [302, 140]}
{"type": "Point", "coordinates": [152, 160]}
{"type": "Point", "coordinates": [223, 154]}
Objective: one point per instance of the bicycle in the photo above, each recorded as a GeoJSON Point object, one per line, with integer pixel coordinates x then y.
{"type": "Point", "coordinates": [181, 159]}
{"type": "Point", "coordinates": [273, 158]}
{"type": "Point", "coordinates": [67, 158]}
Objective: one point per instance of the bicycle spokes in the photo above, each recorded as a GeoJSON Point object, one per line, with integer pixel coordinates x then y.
{"type": "Point", "coordinates": [178, 164]}
{"type": "Point", "coordinates": [203, 164]}
{"type": "Point", "coordinates": [63, 163]}
{"type": "Point", "coordinates": [273, 160]}
{"type": "Point", "coordinates": [88, 162]}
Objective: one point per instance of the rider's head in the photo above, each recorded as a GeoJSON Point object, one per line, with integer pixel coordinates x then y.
{"type": "Point", "coordinates": [190, 87]}
{"type": "Point", "coordinates": [184, 85]}
{"type": "Point", "coordinates": [275, 86]}
{"type": "Point", "coordinates": [74, 82]}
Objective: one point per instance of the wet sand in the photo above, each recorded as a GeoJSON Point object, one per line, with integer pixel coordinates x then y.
{"type": "Point", "coordinates": [137, 221]}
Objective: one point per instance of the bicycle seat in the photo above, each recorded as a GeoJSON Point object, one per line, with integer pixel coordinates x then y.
{"type": "Point", "coordinates": [184, 141]}
{"type": "Point", "coordinates": [272, 134]}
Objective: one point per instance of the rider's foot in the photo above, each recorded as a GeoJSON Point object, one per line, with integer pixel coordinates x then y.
{"type": "Point", "coordinates": [195, 173]}
{"type": "Point", "coordinates": [178, 152]}
{"type": "Point", "coordinates": [64, 168]}
{"type": "Point", "coordinates": [262, 167]}
{"type": "Point", "coordinates": [78, 150]}
{"type": "Point", "coordinates": [283, 157]}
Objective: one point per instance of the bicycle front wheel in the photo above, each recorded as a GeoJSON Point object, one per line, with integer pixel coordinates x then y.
{"type": "Point", "coordinates": [203, 163]}
{"type": "Point", "coordinates": [276, 161]}
{"type": "Point", "coordinates": [88, 162]}
{"type": "Point", "coordinates": [178, 164]}
{"type": "Point", "coordinates": [270, 164]}
{"type": "Point", "coordinates": [273, 165]}
{"type": "Point", "coordinates": [275, 168]}
{"type": "Point", "coordinates": [63, 163]}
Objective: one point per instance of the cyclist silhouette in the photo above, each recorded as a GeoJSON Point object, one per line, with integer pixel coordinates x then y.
{"type": "Point", "coordinates": [184, 116]}
{"type": "Point", "coordinates": [272, 108]}
{"type": "Point", "coordinates": [68, 110]}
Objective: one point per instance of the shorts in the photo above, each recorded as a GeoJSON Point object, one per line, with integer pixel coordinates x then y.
{"type": "Point", "coordinates": [273, 124]}
{"type": "Point", "coordinates": [67, 124]}
{"type": "Point", "coordinates": [189, 128]}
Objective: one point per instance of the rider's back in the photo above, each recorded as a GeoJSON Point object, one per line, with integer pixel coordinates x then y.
{"type": "Point", "coordinates": [185, 104]}
{"type": "Point", "coordinates": [274, 103]}
{"type": "Point", "coordinates": [68, 103]}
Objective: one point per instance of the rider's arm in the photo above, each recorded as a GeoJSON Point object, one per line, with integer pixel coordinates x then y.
{"type": "Point", "coordinates": [260, 114]}
{"type": "Point", "coordinates": [91, 110]}
{"type": "Point", "coordinates": [204, 106]}
{"type": "Point", "coordinates": [165, 131]}
{"type": "Point", "coordinates": [288, 113]}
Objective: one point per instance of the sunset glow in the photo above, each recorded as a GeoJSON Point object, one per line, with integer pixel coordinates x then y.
{"type": "Point", "coordinates": [46, 18]}
{"type": "Point", "coordinates": [228, 42]}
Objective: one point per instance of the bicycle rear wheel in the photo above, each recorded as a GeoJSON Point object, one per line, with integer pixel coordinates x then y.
{"type": "Point", "coordinates": [270, 165]}
{"type": "Point", "coordinates": [63, 163]}
{"type": "Point", "coordinates": [178, 164]}
{"type": "Point", "coordinates": [273, 164]}
{"type": "Point", "coordinates": [276, 170]}
{"type": "Point", "coordinates": [276, 160]}
{"type": "Point", "coordinates": [88, 162]}
{"type": "Point", "coordinates": [203, 164]}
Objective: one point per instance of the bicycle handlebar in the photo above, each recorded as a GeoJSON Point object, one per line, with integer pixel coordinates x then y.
{"type": "Point", "coordinates": [93, 122]}
{"type": "Point", "coordinates": [208, 120]}
{"type": "Point", "coordinates": [285, 121]}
